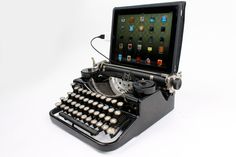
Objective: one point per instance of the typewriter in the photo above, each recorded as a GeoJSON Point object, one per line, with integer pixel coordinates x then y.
{"type": "Point", "coordinates": [115, 100]}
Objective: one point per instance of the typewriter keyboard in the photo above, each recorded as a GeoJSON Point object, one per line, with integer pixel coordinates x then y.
{"type": "Point", "coordinates": [93, 113]}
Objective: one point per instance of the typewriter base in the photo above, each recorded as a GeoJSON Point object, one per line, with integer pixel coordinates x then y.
{"type": "Point", "coordinates": [152, 109]}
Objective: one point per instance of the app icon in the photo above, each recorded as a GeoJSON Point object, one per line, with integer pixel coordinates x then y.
{"type": "Point", "coordinates": [163, 29]}
{"type": "Point", "coordinates": [141, 18]}
{"type": "Point", "coordinates": [121, 45]}
{"type": "Point", "coordinates": [150, 39]}
{"type": "Point", "coordinates": [120, 57]}
{"type": "Point", "coordinates": [130, 46]}
{"type": "Point", "coordinates": [131, 28]}
{"type": "Point", "coordinates": [161, 39]}
{"type": "Point", "coordinates": [163, 19]}
{"type": "Point", "coordinates": [138, 59]}
{"type": "Point", "coordinates": [151, 28]}
{"type": "Point", "coordinates": [122, 28]}
{"type": "Point", "coordinates": [131, 19]}
{"type": "Point", "coordinates": [152, 19]}
{"type": "Point", "coordinates": [141, 28]}
{"type": "Point", "coordinates": [122, 19]}
{"type": "Point", "coordinates": [128, 58]}
{"type": "Point", "coordinates": [161, 49]}
{"type": "Point", "coordinates": [159, 62]}
{"type": "Point", "coordinates": [148, 61]}
{"type": "Point", "coordinates": [139, 47]}
{"type": "Point", "coordinates": [149, 49]}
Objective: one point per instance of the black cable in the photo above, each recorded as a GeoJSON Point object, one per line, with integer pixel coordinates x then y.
{"type": "Point", "coordinates": [102, 36]}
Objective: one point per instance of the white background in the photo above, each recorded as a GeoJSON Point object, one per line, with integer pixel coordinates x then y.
{"type": "Point", "coordinates": [45, 43]}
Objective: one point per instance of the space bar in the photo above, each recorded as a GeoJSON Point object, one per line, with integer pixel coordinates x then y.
{"type": "Point", "coordinates": [78, 123]}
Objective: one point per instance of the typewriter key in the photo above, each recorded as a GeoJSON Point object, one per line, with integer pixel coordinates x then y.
{"type": "Point", "coordinates": [90, 101]}
{"type": "Point", "coordinates": [70, 110]}
{"type": "Point", "coordinates": [84, 116]}
{"type": "Point", "coordinates": [93, 94]}
{"type": "Point", "coordinates": [95, 103]}
{"type": "Point", "coordinates": [74, 112]}
{"type": "Point", "coordinates": [99, 124]}
{"type": "Point", "coordinates": [86, 100]}
{"type": "Point", "coordinates": [114, 101]}
{"type": "Point", "coordinates": [120, 104]}
{"type": "Point", "coordinates": [113, 121]}
{"type": "Point", "coordinates": [73, 95]}
{"type": "Point", "coordinates": [73, 103]}
{"type": "Point", "coordinates": [84, 91]}
{"type": "Point", "coordinates": [77, 96]}
{"type": "Point", "coordinates": [77, 104]}
{"type": "Point", "coordinates": [81, 107]}
{"type": "Point", "coordinates": [86, 108]}
{"type": "Point", "coordinates": [62, 106]}
{"type": "Point", "coordinates": [111, 131]}
{"type": "Point", "coordinates": [100, 106]}
{"type": "Point", "coordinates": [117, 112]}
{"type": "Point", "coordinates": [58, 104]}
{"type": "Point", "coordinates": [98, 95]}
{"type": "Point", "coordinates": [103, 97]}
{"type": "Point", "coordinates": [69, 93]}
{"type": "Point", "coordinates": [96, 113]}
{"type": "Point", "coordinates": [88, 119]}
{"type": "Point", "coordinates": [81, 98]}
{"type": "Point", "coordinates": [105, 127]}
{"type": "Point", "coordinates": [94, 121]}
{"type": "Point", "coordinates": [89, 92]}
{"type": "Point", "coordinates": [111, 110]}
{"type": "Point", "coordinates": [108, 100]}
{"type": "Point", "coordinates": [66, 108]}
{"type": "Point", "coordinates": [79, 114]}
{"type": "Point", "coordinates": [101, 115]}
{"type": "Point", "coordinates": [105, 108]}
{"type": "Point", "coordinates": [80, 90]}
{"type": "Point", "coordinates": [62, 98]}
{"type": "Point", "coordinates": [69, 101]}
{"type": "Point", "coordinates": [72, 85]}
{"type": "Point", "coordinates": [91, 111]}
{"type": "Point", "coordinates": [107, 118]}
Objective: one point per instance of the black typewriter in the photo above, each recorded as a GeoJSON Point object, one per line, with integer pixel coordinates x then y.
{"type": "Point", "coordinates": [115, 100]}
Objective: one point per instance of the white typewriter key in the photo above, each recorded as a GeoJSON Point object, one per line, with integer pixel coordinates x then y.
{"type": "Point", "coordinates": [94, 121]}
{"type": "Point", "coordinates": [101, 115]}
{"type": "Point", "coordinates": [108, 99]}
{"type": "Point", "coordinates": [62, 106]}
{"type": "Point", "coordinates": [98, 95]}
{"type": "Point", "coordinates": [73, 103]}
{"type": "Point", "coordinates": [86, 100]}
{"type": "Point", "coordinates": [84, 116]}
{"type": "Point", "coordinates": [79, 114]}
{"type": "Point", "coordinates": [76, 88]}
{"type": "Point", "coordinates": [70, 110]}
{"type": "Point", "coordinates": [77, 104]}
{"type": "Point", "coordinates": [84, 91]}
{"type": "Point", "coordinates": [69, 101]}
{"type": "Point", "coordinates": [58, 104]}
{"type": "Point", "coordinates": [80, 90]}
{"type": "Point", "coordinates": [120, 104]}
{"type": "Point", "coordinates": [62, 98]}
{"type": "Point", "coordinates": [117, 112]}
{"type": "Point", "coordinates": [73, 95]}
{"type": "Point", "coordinates": [88, 92]}
{"type": "Point", "coordinates": [77, 96]}
{"type": "Point", "coordinates": [100, 105]}
{"type": "Point", "coordinates": [111, 131]}
{"type": "Point", "coordinates": [88, 119]}
{"type": "Point", "coordinates": [111, 110]}
{"type": "Point", "coordinates": [81, 106]}
{"type": "Point", "coordinates": [113, 121]}
{"type": "Point", "coordinates": [114, 101]}
{"type": "Point", "coordinates": [99, 124]}
{"type": "Point", "coordinates": [69, 93]}
{"type": "Point", "coordinates": [103, 97]}
{"type": "Point", "coordinates": [91, 111]}
{"type": "Point", "coordinates": [72, 84]}
{"type": "Point", "coordinates": [107, 118]}
{"type": "Point", "coordinates": [66, 108]}
{"type": "Point", "coordinates": [93, 94]}
{"type": "Point", "coordinates": [75, 112]}
{"type": "Point", "coordinates": [105, 127]}
{"type": "Point", "coordinates": [90, 101]}
{"type": "Point", "coordinates": [86, 108]}
{"type": "Point", "coordinates": [95, 103]}
{"type": "Point", "coordinates": [106, 107]}
{"type": "Point", "coordinates": [96, 113]}
{"type": "Point", "coordinates": [81, 97]}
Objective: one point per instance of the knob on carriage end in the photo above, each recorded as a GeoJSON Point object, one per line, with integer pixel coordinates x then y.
{"type": "Point", "coordinates": [176, 83]}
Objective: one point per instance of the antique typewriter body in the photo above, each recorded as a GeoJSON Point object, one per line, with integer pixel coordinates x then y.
{"type": "Point", "coordinates": [114, 101]}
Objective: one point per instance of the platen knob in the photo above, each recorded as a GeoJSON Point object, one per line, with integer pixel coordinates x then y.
{"type": "Point", "coordinates": [176, 83]}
